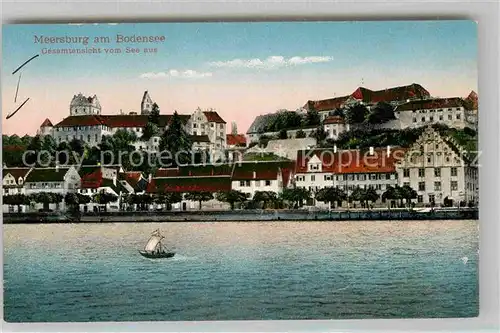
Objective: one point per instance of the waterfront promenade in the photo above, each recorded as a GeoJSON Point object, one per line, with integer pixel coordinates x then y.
{"type": "Point", "coordinates": [248, 215]}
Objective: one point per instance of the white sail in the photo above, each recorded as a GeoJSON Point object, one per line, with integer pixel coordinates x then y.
{"type": "Point", "coordinates": [152, 243]}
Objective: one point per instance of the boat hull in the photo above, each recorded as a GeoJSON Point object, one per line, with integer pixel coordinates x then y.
{"type": "Point", "coordinates": [160, 255]}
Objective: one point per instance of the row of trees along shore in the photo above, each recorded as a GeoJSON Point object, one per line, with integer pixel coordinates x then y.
{"type": "Point", "coordinates": [289, 198]}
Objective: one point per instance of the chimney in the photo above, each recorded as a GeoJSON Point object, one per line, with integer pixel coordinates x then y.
{"type": "Point", "coordinates": [254, 174]}
{"type": "Point", "coordinates": [371, 150]}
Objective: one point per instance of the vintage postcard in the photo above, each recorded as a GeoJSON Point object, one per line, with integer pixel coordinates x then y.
{"type": "Point", "coordinates": [240, 171]}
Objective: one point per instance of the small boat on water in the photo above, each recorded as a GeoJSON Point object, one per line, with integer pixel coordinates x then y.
{"type": "Point", "coordinates": [154, 248]}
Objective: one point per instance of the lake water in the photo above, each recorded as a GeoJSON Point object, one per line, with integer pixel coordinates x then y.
{"type": "Point", "coordinates": [240, 271]}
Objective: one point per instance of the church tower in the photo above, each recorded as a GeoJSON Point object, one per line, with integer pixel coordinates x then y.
{"type": "Point", "coordinates": [146, 103]}
{"type": "Point", "coordinates": [81, 105]}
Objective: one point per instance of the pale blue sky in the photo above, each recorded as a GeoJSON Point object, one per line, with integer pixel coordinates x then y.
{"type": "Point", "coordinates": [344, 56]}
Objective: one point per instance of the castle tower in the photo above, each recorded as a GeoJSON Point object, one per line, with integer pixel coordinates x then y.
{"type": "Point", "coordinates": [81, 105]}
{"type": "Point", "coordinates": [146, 103]}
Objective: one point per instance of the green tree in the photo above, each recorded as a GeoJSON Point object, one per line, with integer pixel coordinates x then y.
{"type": "Point", "coordinates": [231, 197]}
{"type": "Point", "coordinates": [408, 194]}
{"type": "Point", "coordinates": [177, 142]}
{"type": "Point", "coordinates": [154, 116]}
{"type": "Point", "coordinates": [264, 197]}
{"type": "Point", "coordinates": [104, 198]}
{"type": "Point", "coordinates": [380, 113]}
{"type": "Point", "coordinates": [17, 199]}
{"type": "Point", "coordinates": [332, 195]}
{"type": "Point", "coordinates": [356, 114]}
{"type": "Point", "coordinates": [319, 134]}
{"type": "Point", "coordinates": [300, 134]}
{"type": "Point", "coordinates": [199, 196]}
{"type": "Point", "coordinates": [150, 130]}
{"type": "Point", "coordinates": [282, 135]}
{"type": "Point", "coordinates": [391, 193]}
{"type": "Point", "coordinates": [312, 118]}
{"type": "Point", "coordinates": [296, 196]}
{"type": "Point", "coordinates": [77, 146]}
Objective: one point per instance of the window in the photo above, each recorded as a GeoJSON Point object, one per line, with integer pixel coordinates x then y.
{"type": "Point", "coordinates": [437, 172]}
{"type": "Point", "coordinates": [387, 176]}
{"type": "Point", "coordinates": [257, 183]}
{"type": "Point", "coordinates": [313, 178]}
{"type": "Point", "coordinates": [195, 125]}
{"type": "Point", "coordinates": [432, 198]}
{"type": "Point", "coordinates": [458, 116]}
{"type": "Point", "coordinates": [441, 117]}
{"type": "Point", "coordinates": [437, 186]}
{"type": "Point", "coordinates": [268, 183]}
{"type": "Point", "coordinates": [247, 183]}
{"type": "Point", "coordinates": [454, 185]}
{"type": "Point", "coordinates": [414, 119]}
{"type": "Point", "coordinates": [423, 119]}
{"type": "Point", "coordinates": [421, 172]}
{"type": "Point", "coordinates": [406, 184]}
{"type": "Point", "coordinates": [212, 125]}
{"type": "Point", "coordinates": [88, 138]}
{"type": "Point", "coordinates": [453, 172]}
{"type": "Point", "coordinates": [449, 117]}
{"type": "Point", "coordinates": [420, 198]}
{"type": "Point", "coordinates": [421, 186]}
{"type": "Point", "coordinates": [328, 177]}
{"type": "Point", "coordinates": [406, 173]}
{"type": "Point", "coordinates": [431, 118]}
{"type": "Point", "coordinates": [242, 183]}
{"type": "Point", "coordinates": [429, 159]}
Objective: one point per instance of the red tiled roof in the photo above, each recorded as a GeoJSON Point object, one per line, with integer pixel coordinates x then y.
{"type": "Point", "coordinates": [236, 140]}
{"type": "Point", "coordinates": [435, 103]}
{"type": "Point", "coordinates": [87, 120]}
{"type": "Point", "coordinates": [190, 184]}
{"type": "Point", "coordinates": [132, 177]}
{"type": "Point", "coordinates": [167, 172]}
{"type": "Point", "coordinates": [213, 116]}
{"type": "Point", "coordinates": [130, 120]}
{"type": "Point", "coordinates": [46, 123]}
{"type": "Point", "coordinates": [262, 170]}
{"type": "Point", "coordinates": [352, 161]}
{"type": "Point", "coordinates": [326, 104]}
{"type": "Point", "coordinates": [16, 172]}
{"type": "Point", "coordinates": [334, 120]}
{"type": "Point", "coordinates": [13, 148]}
{"type": "Point", "coordinates": [402, 93]}
{"type": "Point", "coordinates": [92, 180]}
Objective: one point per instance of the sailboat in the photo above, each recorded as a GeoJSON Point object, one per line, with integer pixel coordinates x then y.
{"type": "Point", "coordinates": [154, 249]}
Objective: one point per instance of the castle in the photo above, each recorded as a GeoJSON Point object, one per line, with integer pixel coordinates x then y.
{"type": "Point", "coordinates": [87, 123]}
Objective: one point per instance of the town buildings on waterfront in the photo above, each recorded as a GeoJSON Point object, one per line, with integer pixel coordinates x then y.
{"type": "Point", "coordinates": [435, 165]}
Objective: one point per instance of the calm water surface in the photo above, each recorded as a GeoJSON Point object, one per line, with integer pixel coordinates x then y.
{"type": "Point", "coordinates": [238, 271]}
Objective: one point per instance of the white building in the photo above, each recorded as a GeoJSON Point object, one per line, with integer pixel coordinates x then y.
{"type": "Point", "coordinates": [272, 176]}
{"type": "Point", "coordinates": [347, 169]}
{"type": "Point", "coordinates": [438, 168]}
{"type": "Point", "coordinates": [13, 180]}
{"type": "Point", "coordinates": [454, 112]}
{"type": "Point", "coordinates": [334, 126]}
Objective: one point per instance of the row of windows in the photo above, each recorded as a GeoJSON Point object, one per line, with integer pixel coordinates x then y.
{"type": "Point", "coordinates": [437, 172]}
{"type": "Point", "coordinates": [436, 110]}
{"type": "Point", "coordinates": [246, 183]}
{"type": "Point", "coordinates": [437, 186]}
{"type": "Point", "coordinates": [431, 118]}
{"type": "Point", "coordinates": [351, 177]}
{"type": "Point", "coordinates": [45, 185]}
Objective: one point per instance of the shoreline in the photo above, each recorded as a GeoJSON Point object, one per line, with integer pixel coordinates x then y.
{"type": "Point", "coordinates": [245, 216]}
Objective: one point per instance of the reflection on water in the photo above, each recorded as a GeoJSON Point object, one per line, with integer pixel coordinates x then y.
{"type": "Point", "coordinates": [228, 270]}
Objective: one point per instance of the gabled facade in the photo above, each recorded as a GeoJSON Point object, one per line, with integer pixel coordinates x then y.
{"type": "Point", "coordinates": [13, 180]}
{"type": "Point", "coordinates": [437, 168]}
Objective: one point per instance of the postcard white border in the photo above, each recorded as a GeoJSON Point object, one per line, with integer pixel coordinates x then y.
{"type": "Point", "coordinates": [487, 16]}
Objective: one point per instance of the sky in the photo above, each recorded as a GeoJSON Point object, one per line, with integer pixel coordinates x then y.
{"type": "Point", "coordinates": [241, 70]}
